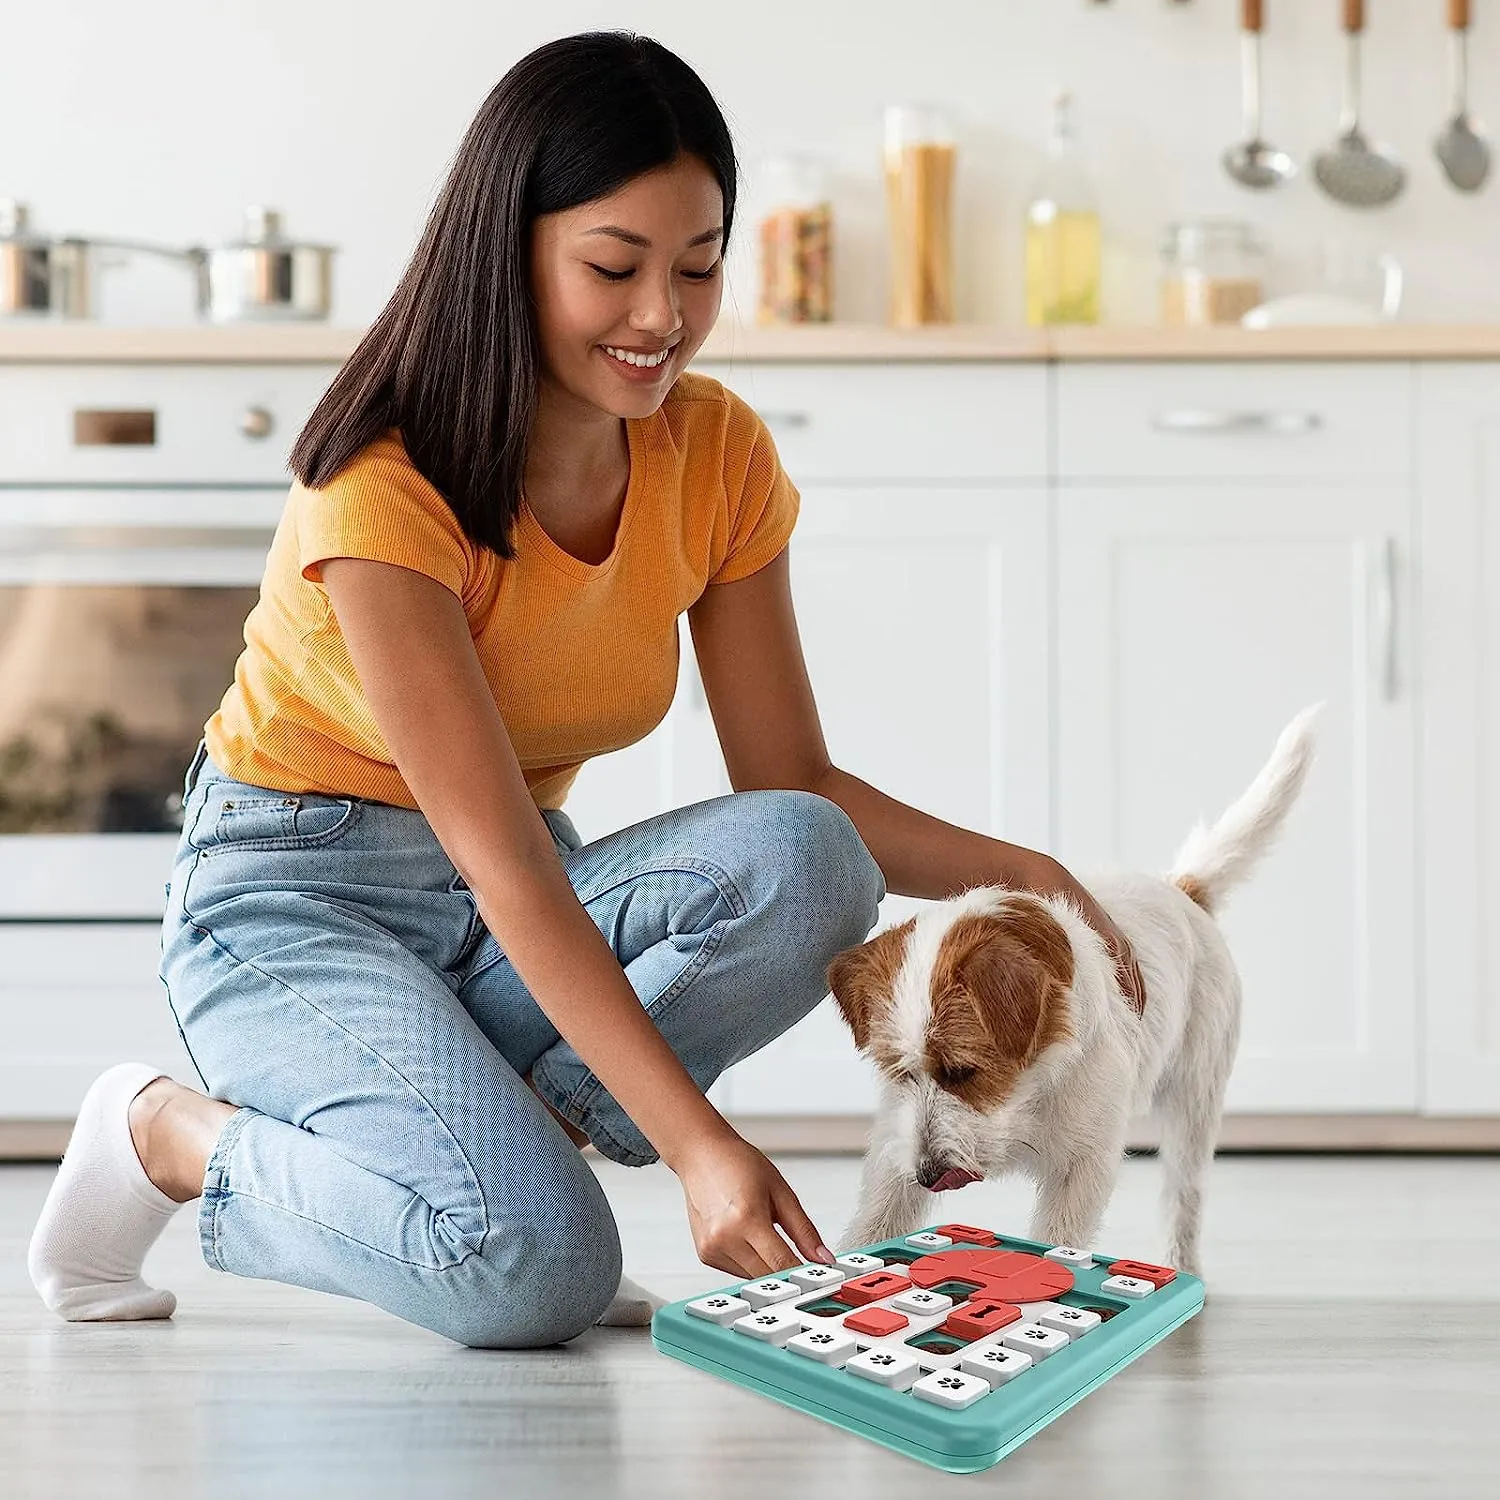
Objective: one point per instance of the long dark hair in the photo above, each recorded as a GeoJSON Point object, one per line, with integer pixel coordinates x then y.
{"type": "Point", "coordinates": [453, 359]}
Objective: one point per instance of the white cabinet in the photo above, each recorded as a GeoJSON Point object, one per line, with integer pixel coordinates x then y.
{"type": "Point", "coordinates": [1193, 622]}
{"type": "Point", "coordinates": [923, 620]}
{"type": "Point", "coordinates": [1459, 444]}
{"type": "Point", "coordinates": [77, 999]}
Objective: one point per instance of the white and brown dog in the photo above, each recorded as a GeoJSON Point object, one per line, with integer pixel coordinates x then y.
{"type": "Point", "coordinates": [1002, 1039]}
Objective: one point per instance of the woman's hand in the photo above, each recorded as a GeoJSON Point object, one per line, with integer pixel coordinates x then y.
{"type": "Point", "coordinates": [735, 1198]}
{"type": "Point", "coordinates": [1056, 881]}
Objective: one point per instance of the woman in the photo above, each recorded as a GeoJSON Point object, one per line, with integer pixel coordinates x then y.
{"type": "Point", "coordinates": [385, 942]}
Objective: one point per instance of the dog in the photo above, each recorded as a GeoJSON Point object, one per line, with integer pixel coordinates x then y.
{"type": "Point", "coordinates": [1002, 1039]}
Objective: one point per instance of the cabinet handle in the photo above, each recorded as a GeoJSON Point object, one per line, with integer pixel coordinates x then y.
{"type": "Point", "coordinates": [1385, 605]}
{"type": "Point", "coordinates": [1284, 422]}
{"type": "Point", "coordinates": [774, 419]}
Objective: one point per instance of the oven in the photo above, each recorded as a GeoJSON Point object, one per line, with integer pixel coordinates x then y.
{"type": "Point", "coordinates": [137, 505]}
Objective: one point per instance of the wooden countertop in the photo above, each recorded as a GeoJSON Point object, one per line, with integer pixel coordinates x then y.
{"type": "Point", "coordinates": [60, 342]}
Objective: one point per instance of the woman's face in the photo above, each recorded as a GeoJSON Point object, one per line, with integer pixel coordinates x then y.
{"type": "Point", "coordinates": [636, 273]}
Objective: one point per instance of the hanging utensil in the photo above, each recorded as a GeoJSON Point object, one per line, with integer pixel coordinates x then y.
{"type": "Point", "coordinates": [1253, 162]}
{"type": "Point", "coordinates": [1460, 148]}
{"type": "Point", "coordinates": [1352, 170]}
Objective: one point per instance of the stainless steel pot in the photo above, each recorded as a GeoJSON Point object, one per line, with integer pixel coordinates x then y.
{"type": "Point", "coordinates": [41, 276]}
{"type": "Point", "coordinates": [264, 276]}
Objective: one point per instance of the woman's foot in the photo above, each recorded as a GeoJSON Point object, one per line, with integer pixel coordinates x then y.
{"type": "Point", "coordinates": [127, 1169]}
{"type": "Point", "coordinates": [631, 1306]}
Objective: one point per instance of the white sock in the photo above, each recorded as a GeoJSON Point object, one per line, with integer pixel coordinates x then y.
{"type": "Point", "coordinates": [631, 1307]}
{"type": "Point", "coordinates": [103, 1213]}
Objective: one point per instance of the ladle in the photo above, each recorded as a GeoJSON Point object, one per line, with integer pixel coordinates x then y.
{"type": "Point", "coordinates": [1460, 148]}
{"type": "Point", "coordinates": [1253, 162]}
{"type": "Point", "coordinates": [1353, 170]}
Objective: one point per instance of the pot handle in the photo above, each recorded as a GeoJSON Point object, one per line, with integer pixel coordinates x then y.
{"type": "Point", "coordinates": [194, 254]}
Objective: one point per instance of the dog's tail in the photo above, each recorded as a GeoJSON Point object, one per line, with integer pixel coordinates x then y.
{"type": "Point", "coordinates": [1214, 859]}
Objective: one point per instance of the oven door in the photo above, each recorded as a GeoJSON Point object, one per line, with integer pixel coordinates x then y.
{"type": "Point", "coordinates": [121, 619]}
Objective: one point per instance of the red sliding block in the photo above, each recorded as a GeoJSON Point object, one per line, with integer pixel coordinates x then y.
{"type": "Point", "coordinates": [870, 1287]}
{"type": "Point", "coordinates": [1143, 1270]}
{"type": "Point", "coordinates": [878, 1321]}
{"type": "Point", "coordinates": [968, 1234]}
{"type": "Point", "coordinates": [977, 1317]}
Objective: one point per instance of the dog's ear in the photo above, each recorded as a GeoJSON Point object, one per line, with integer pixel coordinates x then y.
{"type": "Point", "coordinates": [1013, 967]}
{"type": "Point", "coordinates": [862, 978]}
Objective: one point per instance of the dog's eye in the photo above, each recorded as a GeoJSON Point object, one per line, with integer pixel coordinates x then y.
{"type": "Point", "coordinates": [955, 1077]}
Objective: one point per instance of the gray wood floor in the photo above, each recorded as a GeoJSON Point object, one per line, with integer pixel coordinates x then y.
{"type": "Point", "coordinates": [1349, 1348]}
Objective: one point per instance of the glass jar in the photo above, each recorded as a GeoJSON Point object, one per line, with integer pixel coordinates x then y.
{"type": "Point", "coordinates": [795, 236]}
{"type": "Point", "coordinates": [920, 157]}
{"type": "Point", "coordinates": [1213, 271]}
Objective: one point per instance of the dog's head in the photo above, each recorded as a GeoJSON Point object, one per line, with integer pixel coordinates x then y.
{"type": "Point", "coordinates": [954, 1008]}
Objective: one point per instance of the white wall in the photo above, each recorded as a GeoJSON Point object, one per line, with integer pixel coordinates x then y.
{"type": "Point", "coordinates": [161, 119]}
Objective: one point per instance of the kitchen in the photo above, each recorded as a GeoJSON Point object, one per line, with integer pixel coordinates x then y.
{"type": "Point", "coordinates": [1002, 485]}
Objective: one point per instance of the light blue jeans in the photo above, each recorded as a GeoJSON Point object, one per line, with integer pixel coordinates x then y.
{"type": "Point", "coordinates": [331, 976]}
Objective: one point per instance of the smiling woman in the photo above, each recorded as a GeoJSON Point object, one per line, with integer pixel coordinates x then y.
{"type": "Point", "coordinates": [410, 1015]}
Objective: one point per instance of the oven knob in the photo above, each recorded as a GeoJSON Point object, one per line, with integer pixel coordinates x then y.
{"type": "Point", "coordinates": [256, 422]}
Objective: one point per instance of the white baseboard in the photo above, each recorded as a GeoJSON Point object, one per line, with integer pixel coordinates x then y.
{"type": "Point", "coordinates": [837, 1135]}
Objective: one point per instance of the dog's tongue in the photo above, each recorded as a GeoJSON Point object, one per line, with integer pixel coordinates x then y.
{"type": "Point", "coordinates": [953, 1179]}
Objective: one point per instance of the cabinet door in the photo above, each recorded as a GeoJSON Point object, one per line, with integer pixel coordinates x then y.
{"type": "Point", "coordinates": [76, 999]}
{"type": "Point", "coordinates": [1459, 481]}
{"type": "Point", "coordinates": [923, 619]}
{"type": "Point", "coordinates": [1193, 622]}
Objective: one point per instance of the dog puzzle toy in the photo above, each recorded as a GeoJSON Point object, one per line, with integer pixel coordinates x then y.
{"type": "Point", "coordinates": [952, 1345]}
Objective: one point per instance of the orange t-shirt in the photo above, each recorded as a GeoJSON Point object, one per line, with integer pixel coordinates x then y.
{"type": "Point", "coordinates": [581, 658]}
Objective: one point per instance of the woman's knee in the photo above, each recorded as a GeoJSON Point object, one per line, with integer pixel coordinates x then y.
{"type": "Point", "coordinates": [545, 1285]}
{"type": "Point", "coordinates": [824, 865]}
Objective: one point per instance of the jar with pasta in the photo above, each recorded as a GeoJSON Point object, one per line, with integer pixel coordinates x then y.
{"type": "Point", "coordinates": [1212, 272]}
{"type": "Point", "coordinates": [795, 241]}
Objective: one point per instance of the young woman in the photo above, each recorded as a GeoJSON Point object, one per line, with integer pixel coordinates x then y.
{"type": "Point", "coordinates": [411, 991]}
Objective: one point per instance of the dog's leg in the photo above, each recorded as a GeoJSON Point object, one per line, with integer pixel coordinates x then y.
{"type": "Point", "coordinates": [1189, 1108]}
{"type": "Point", "coordinates": [891, 1202]}
{"type": "Point", "coordinates": [1074, 1194]}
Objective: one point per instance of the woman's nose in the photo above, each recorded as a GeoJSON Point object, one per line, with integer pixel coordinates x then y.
{"type": "Point", "coordinates": [659, 313]}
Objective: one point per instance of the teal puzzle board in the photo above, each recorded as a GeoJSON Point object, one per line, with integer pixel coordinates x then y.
{"type": "Point", "coordinates": [952, 1345]}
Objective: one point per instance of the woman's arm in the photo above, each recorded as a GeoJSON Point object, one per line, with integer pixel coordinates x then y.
{"type": "Point", "coordinates": [755, 679]}
{"type": "Point", "coordinates": [409, 642]}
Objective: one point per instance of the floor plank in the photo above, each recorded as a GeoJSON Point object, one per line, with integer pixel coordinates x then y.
{"type": "Point", "coordinates": [1349, 1348]}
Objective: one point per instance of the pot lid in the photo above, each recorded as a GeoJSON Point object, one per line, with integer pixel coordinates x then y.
{"type": "Point", "coordinates": [263, 231]}
{"type": "Point", "coordinates": [15, 220]}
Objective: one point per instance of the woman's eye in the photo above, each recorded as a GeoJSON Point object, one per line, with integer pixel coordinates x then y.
{"type": "Point", "coordinates": [609, 275]}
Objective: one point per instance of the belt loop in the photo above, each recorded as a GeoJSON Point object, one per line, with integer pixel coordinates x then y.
{"type": "Point", "coordinates": [199, 756]}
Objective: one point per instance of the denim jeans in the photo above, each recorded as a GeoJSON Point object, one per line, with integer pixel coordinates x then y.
{"type": "Point", "coordinates": [331, 976]}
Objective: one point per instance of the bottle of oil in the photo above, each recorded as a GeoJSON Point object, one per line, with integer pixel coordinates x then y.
{"type": "Point", "coordinates": [1063, 249]}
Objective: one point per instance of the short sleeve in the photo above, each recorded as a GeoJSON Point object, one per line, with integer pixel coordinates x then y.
{"type": "Point", "coordinates": [381, 508]}
{"type": "Point", "coordinates": [763, 502]}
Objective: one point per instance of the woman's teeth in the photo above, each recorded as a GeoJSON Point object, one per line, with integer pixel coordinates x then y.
{"type": "Point", "coordinates": [641, 361]}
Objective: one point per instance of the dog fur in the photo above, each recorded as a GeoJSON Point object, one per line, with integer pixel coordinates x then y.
{"type": "Point", "coordinates": [1002, 1040]}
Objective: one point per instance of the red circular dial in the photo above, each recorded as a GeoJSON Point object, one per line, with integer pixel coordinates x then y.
{"type": "Point", "coordinates": [1010, 1275]}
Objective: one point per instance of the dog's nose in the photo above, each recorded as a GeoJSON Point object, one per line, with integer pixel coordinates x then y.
{"type": "Point", "coordinates": [939, 1179]}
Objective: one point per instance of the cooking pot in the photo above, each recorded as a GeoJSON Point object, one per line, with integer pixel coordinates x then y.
{"type": "Point", "coordinates": [263, 277]}
{"type": "Point", "coordinates": [40, 276]}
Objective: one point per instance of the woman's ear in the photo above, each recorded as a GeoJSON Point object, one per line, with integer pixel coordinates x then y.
{"type": "Point", "coordinates": [861, 979]}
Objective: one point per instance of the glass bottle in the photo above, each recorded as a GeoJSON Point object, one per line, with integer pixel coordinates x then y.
{"type": "Point", "coordinates": [795, 236]}
{"type": "Point", "coordinates": [1063, 242]}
